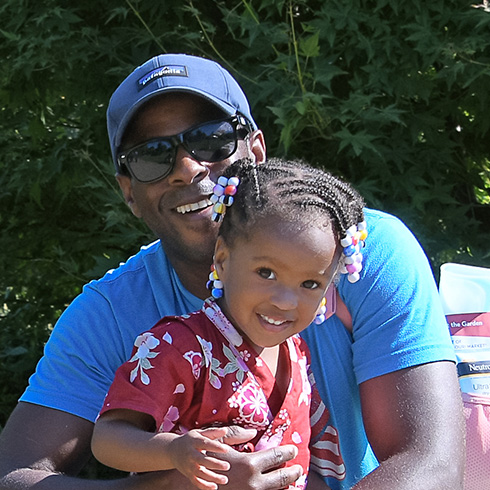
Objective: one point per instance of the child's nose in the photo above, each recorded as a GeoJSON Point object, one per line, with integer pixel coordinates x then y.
{"type": "Point", "coordinates": [284, 298]}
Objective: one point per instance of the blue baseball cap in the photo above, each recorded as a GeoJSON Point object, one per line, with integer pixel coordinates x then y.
{"type": "Point", "coordinates": [173, 73]}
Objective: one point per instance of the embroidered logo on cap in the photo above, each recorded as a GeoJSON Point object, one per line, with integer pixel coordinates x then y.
{"type": "Point", "coordinates": [163, 71]}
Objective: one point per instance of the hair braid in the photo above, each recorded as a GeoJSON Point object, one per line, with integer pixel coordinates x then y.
{"type": "Point", "coordinates": [293, 191]}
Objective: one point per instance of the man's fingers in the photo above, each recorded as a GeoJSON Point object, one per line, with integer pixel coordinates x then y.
{"type": "Point", "coordinates": [283, 477]}
{"type": "Point", "coordinates": [263, 469]}
{"type": "Point", "coordinates": [270, 459]}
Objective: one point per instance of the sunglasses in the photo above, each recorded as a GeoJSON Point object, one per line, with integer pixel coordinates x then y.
{"type": "Point", "coordinates": [212, 141]}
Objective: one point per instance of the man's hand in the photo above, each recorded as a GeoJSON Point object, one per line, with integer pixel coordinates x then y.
{"type": "Point", "coordinates": [261, 470]}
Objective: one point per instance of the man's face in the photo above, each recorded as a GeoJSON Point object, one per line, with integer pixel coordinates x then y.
{"type": "Point", "coordinates": [176, 208]}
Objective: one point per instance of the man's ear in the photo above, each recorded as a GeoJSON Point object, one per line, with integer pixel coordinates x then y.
{"type": "Point", "coordinates": [221, 254]}
{"type": "Point", "coordinates": [257, 146]}
{"type": "Point", "coordinates": [127, 189]}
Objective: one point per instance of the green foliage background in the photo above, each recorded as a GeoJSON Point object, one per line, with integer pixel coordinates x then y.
{"type": "Point", "coordinates": [393, 95]}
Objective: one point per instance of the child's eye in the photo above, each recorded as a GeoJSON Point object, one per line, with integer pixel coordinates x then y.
{"type": "Point", "coordinates": [310, 284]}
{"type": "Point", "coordinates": [266, 273]}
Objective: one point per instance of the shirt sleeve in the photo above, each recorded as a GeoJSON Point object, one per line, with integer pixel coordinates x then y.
{"type": "Point", "coordinates": [396, 312]}
{"type": "Point", "coordinates": [80, 358]}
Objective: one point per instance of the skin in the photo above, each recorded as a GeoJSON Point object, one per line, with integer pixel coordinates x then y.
{"type": "Point", "coordinates": [284, 274]}
{"type": "Point", "coordinates": [414, 424]}
{"type": "Point", "coordinates": [413, 417]}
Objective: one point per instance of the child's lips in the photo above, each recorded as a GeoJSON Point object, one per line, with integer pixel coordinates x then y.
{"type": "Point", "coordinates": [274, 324]}
{"type": "Point", "coordinates": [272, 321]}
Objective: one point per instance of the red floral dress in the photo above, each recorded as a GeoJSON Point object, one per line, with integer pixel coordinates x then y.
{"type": "Point", "coordinates": [196, 371]}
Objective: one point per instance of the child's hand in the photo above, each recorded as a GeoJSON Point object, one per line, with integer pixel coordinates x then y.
{"type": "Point", "coordinates": [189, 455]}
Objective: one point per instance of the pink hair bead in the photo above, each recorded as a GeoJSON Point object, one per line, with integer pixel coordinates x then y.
{"type": "Point", "coordinates": [354, 267]}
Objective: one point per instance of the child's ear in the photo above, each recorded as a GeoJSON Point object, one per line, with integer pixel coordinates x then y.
{"type": "Point", "coordinates": [221, 254]}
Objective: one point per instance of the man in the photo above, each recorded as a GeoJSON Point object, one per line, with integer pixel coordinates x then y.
{"type": "Point", "coordinates": [383, 362]}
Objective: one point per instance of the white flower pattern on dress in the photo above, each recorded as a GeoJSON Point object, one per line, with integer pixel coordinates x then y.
{"type": "Point", "coordinates": [196, 361]}
{"type": "Point", "coordinates": [252, 406]}
{"type": "Point", "coordinates": [144, 343]}
{"type": "Point", "coordinates": [211, 362]}
{"type": "Point", "coordinates": [236, 364]}
{"type": "Point", "coordinates": [306, 391]}
{"type": "Point", "coordinates": [207, 350]}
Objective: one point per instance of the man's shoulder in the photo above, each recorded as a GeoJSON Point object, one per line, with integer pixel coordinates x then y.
{"type": "Point", "coordinates": [388, 233]}
{"type": "Point", "coordinates": [138, 264]}
{"type": "Point", "coordinates": [379, 219]}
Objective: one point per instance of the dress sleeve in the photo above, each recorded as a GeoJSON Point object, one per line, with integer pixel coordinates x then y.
{"type": "Point", "coordinates": [160, 377]}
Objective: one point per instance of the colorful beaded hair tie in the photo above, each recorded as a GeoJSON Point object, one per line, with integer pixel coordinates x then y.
{"type": "Point", "coordinates": [222, 196]}
{"type": "Point", "coordinates": [214, 284]}
{"type": "Point", "coordinates": [353, 243]}
{"type": "Point", "coordinates": [320, 314]}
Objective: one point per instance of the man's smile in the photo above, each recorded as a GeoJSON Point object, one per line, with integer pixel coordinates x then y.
{"type": "Point", "coordinates": [195, 206]}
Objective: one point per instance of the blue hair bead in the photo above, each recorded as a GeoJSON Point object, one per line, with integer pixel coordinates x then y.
{"type": "Point", "coordinates": [223, 181]}
{"type": "Point", "coordinates": [228, 200]}
{"type": "Point", "coordinates": [348, 251]}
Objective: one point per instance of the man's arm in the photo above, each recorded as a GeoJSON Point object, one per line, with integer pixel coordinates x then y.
{"type": "Point", "coordinates": [45, 449]}
{"type": "Point", "coordinates": [414, 422]}
{"type": "Point", "coordinates": [316, 482]}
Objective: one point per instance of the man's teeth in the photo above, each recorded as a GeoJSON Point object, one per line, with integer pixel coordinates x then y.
{"type": "Point", "coordinates": [272, 321]}
{"type": "Point", "coordinates": [187, 208]}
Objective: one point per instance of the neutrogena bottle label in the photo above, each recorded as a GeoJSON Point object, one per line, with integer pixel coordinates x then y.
{"type": "Point", "coordinates": [470, 333]}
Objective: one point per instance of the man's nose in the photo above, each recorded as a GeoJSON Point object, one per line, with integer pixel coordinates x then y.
{"type": "Point", "coordinates": [187, 169]}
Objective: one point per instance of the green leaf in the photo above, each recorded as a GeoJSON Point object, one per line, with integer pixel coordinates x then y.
{"type": "Point", "coordinates": [309, 47]}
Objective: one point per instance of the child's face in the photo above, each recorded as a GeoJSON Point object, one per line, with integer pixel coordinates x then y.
{"type": "Point", "coordinates": [274, 281]}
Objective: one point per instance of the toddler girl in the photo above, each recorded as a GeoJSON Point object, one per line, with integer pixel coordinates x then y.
{"type": "Point", "coordinates": [286, 231]}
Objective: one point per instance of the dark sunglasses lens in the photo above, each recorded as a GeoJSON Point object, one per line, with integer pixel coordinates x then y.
{"type": "Point", "coordinates": [152, 160]}
{"type": "Point", "coordinates": [211, 142]}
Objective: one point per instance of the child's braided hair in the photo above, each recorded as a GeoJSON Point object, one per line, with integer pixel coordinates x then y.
{"type": "Point", "coordinates": [292, 191]}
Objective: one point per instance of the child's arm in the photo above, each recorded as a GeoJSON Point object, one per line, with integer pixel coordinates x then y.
{"type": "Point", "coordinates": [124, 439]}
